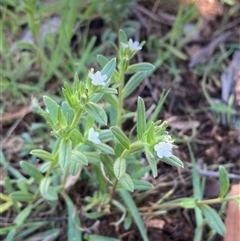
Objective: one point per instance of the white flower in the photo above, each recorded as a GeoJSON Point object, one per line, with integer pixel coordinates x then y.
{"type": "Point", "coordinates": [98, 78]}
{"type": "Point", "coordinates": [134, 46]}
{"type": "Point", "coordinates": [163, 149]}
{"type": "Point", "coordinates": [93, 136]}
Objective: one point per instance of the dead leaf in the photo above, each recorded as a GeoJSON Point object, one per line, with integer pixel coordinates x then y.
{"type": "Point", "coordinates": [13, 145]}
{"type": "Point", "coordinates": [227, 79]}
{"type": "Point", "coordinates": [155, 223]}
{"type": "Point", "coordinates": [192, 50]}
{"type": "Point", "coordinates": [232, 221]}
{"type": "Point", "coordinates": [202, 56]}
{"type": "Point", "coordinates": [237, 88]}
{"type": "Point", "coordinates": [10, 116]}
{"type": "Point", "coordinates": [71, 180]}
{"type": "Point", "coordinates": [183, 126]}
{"type": "Point", "coordinates": [228, 76]}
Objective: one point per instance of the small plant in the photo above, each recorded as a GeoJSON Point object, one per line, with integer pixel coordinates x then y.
{"type": "Point", "coordinates": [87, 127]}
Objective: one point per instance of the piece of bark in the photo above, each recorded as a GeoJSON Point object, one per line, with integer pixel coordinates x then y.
{"type": "Point", "coordinates": [232, 221]}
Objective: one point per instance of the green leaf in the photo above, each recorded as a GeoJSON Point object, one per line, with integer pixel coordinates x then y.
{"type": "Point", "coordinates": [99, 238]}
{"type": "Point", "coordinates": [141, 185]}
{"type": "Point", "coordinates": [189, 203]}
{"type": "Point", "coordinates": [47, 118]}
{"type": "Point", "coordinates": [49, 235]}
{"type": "Point", "coordinates": [78, 157]}
{"type": "Point", "coordinates": [136, 147]}
{"type": "Point", "coordinates": [74, 168]}
{"type": "Point", "coordinates": [224, 181]}
{"type": "Point", "coordinates": [105, 135]}
{"type": "Point", "coordinates": [67, 95]}
{"type": "Point", "coordinates": [107, 91]}
{"type": "Point", "coordinates": [61, 118]}
{"type": "Point", "coordinates": [119, 167]}
{"type": "Point", "coordinates": [118, 148]}
{"type": "Point", "coordinates": [22, 196]}
{"type": "Point", "coordinates": [45, 166]}
{"type": "Point", "coordinates": [107, 163]}
{"type": "Point", "coordinates": [122, 208]}
{"type": "Point", "coordinates": [22, 216]}
{"type": "Point", "coordinates": [92, 157]}
{"type": "Point", "coordinates": [104, 148]}
{"type": "Point", "coordinates": [127, 198]}
{"type": "Point", "coordinates": [77, 161]}
{"type": "Point", "coordinates": [140, 67]}
{"type": "Point", "coordinates": [121, 137]}
{"type": "Point", "coordinates": [65, 150]}
{"type": "Point", "coordinates": [214, 221]}
{"type": "Point", "coordinates": [175, 51]}
{"type": "Point", "coordinates": [141, 118]}
{"type": "Point", "coordinates": [109, 68]}
{"type": "Point", "coordinates": [44, 155]}
{"type": "Point", "coordinates": [19, 220]}
{"type": "Point", "coordinates": [127, 222]}
{"type": "Point", "coordinates": [46, 191]}
{"type": "Point", "coordinates": [150, 133]}
{"type": "Point", "coordinates": [141, 172]}
{"type": "Point", "coordinates": [133, 83]}
{"type": "Point", "coordinates": [173, 161]}
{"type": "Point", "coordinates": [111, 99]}
{"type": "Point", "coordinates": [222, 108]}
{"type": "Point", "coordinates": [76, 137]}
{"type": "Point", "coordinates": [67, 112]}
{"type": "Point", "coordinates": [126, 181]}
{"type": "Point", "coordinates": [51, 194]}
{"type": "Point", "coordinates": [9, 188]}
{"type": "Point", "coordinates": [32, 171]}
{"type": "Point", "coordinates": [122, 37]}
{"type": "Point", "coordinates": [96, 112]}
{"type": "Point", "coordinates": [102, 60]}
{"type": "Point", "coordinates": [45, 184]}
{"type": "Point", "coordinates": [52, 107]}
{"type": "Point", "coordinates": [151, 161]}
{"type": "Point", "coordinates": [74, 232]}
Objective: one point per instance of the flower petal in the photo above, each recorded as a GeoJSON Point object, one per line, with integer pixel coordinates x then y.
{"type": "Point", "coordinates": [93, 136]}
{"type": "Point", "coordinates": [163, 149]}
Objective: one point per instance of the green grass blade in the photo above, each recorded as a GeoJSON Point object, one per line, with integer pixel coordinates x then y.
{"type": "Point", "coordinates": [197, 193]}
{"type": "Point", "coordinates": [74, 232]}
{"type": "Point", "coordinates": [158, 108]}
{"type": "Point", "coordinates": [11, 169]}
{"type": "Point", "coordinates": [134, 211]}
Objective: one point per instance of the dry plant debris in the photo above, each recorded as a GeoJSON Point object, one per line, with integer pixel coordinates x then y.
{"type": "Point", "coordinates": [232, 221]}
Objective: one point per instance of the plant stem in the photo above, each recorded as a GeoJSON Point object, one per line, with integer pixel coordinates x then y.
{"type": "Point", "coordinates": [120, 100]}
{"type": "Point", "coordinates": [176, 205]}
{"type": "Point", "coordinates": [76, 117]}
{"type": "Point", "coordinates": [218, 200]}
{"type": "Point", "coordinates": [119, 119]}
{"type": "Point", "coordinates": [113, 191]}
